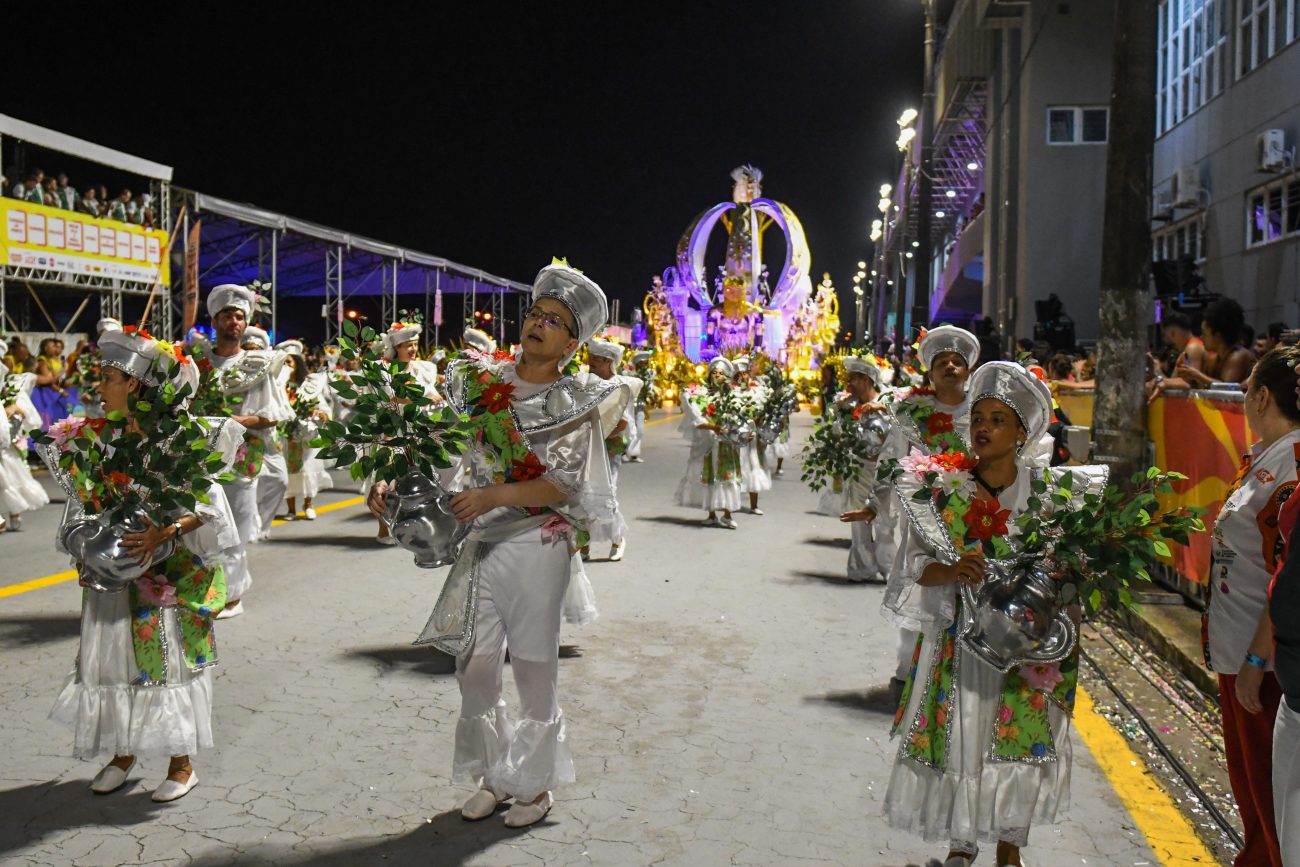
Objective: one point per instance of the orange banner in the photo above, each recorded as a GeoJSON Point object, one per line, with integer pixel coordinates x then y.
{"type": "Point", "coordinates": [1203, 438]}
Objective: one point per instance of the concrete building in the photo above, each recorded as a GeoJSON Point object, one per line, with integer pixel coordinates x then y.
{"type": "Point", "coordinates": [1019, 163]}
{"type": "Point", "coordinates": [1227, 189]}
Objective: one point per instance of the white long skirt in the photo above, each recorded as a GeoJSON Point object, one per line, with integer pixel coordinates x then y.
{"type": "Point", "coordinates": [754, 477]}
{"type": "Point", "coordinates": [975, 800]}
{"type": "Point", "coordinates": [312, 479]}
{"type": "Point", "coordinates": [19, 490]}
{"type": "Point", "coordinates": [108, 716]}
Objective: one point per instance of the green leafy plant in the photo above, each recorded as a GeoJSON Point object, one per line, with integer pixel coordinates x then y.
{"type": "Point", "coordinates": [156, 458]}
{"type": "Point", "coordinates": [395, 427]}
{"type": "Point", "coordinates": [834, 450]}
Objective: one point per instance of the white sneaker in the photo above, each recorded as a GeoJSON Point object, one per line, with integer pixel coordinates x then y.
{"type": "Point", "coordinates": [729, 523]}
{"type": "Point", "coordinates": [233, 611]}
{"type": "Point", "coordinates": [386, 540]}
{"type": "Point", "coordinates": [523, 815]}
{"type": "Point", "coordinates": [616, 552]}
{"type": "Point", "coordinates": [110, 779]}
{"type": "Point", "coordinates": [310, 514]}
{"type": "Point", "coordinates": [170, 790]}
{"type": "Point", "coordinates": [756, 511]}
{"type": "Point", "coordinates": [481, 804]}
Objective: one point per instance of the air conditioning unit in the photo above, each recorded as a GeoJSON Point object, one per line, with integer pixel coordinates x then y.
{"type": "Point", "coordinates": [1187, 187]}
{"type": "Point", "coordinates": [1272, 150]}
{"type": "Point", "coordinates": [1162, 205]}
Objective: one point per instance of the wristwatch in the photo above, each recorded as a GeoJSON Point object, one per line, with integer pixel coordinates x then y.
{"type": "Point", "coordinates": [180, 531]}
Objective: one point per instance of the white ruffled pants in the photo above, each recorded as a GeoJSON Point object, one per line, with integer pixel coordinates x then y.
{"type": "Point", "coordinates": [863, 565]}
{"type": "Point", "coordinates": [637, 434]}
{"type": "Point", "coordinates": [522, 586]}
{"type": "Point", "coordinates": [19, 490]}
{"type": "Point", "coordinates": [107, 714]}
{"type": "Point", "coordinates": [974, 800]}
{"type": "Point", "coordinates": [272, 483]}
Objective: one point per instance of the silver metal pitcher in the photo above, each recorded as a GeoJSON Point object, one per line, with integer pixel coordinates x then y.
{"type": "Point", "coordinates": [872, 431]}
{"type": "Point", "coordinates": [97, 546]}
{"type": "Point", "coordinates": [417, 511]}
{"type": "Point", "coordinates": [1015, 617]}
{"type": "Point", "coordinates": [739, 436]}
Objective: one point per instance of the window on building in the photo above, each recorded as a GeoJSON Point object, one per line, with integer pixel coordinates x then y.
{"type": "Point", "coordinates": [1184, 238]}
{"type": "Point", "coordinates": [1265, 28]}
{"type": "Point", "coordinates": [1273, 211]}
{"type": "Point", "coordinates": [1192, 57]}
{"type": "Point", "coordinates": [1073, 124]}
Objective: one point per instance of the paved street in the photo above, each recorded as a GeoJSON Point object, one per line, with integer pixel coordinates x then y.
{"type": "Point", "coordinates": [729, 707]}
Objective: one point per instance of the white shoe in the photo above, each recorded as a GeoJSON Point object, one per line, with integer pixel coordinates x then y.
{"type": "Point", "coordinates": [481, 804]}
{"type": "Point", "coordinates": [310, 514]}
{"type": "Point", "coordinates": [386, 540]}
{"type": "Point", "coordinates": [712, 522]}
{"type": "Point", "coordinates": [729, 523]}
{"type": "Point", "coordinates": [110, 779]}
{"type": "Point", "coordinates": [756, 511]}
{"type": "Point", "coordinates": [523, 815]}
{"type": "Point", "coordinates": [233, 611]}
{"type": "Point", "coordinates": [170, 790]}
{"type": "Point", "coordinates": [616, 552]}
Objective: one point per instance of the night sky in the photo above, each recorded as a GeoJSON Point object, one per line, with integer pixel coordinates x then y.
{"type": "Point", "coordinates": [497, 138]}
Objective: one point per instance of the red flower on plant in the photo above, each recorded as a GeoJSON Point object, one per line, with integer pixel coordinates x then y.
{"type": "Point", "coordinates": [118, 480]}
{"type": "Point", "coordinates": [496, 397]}
{"type": "Point", "coordinates": [97, 424]}
{"type": "Point", "coordinates": [711, 409]}
{"type": "Point", "coordinates": [987, 519]}
{"type": "Point", "coordinates": [954, 461]}
{"type": "Point", "coordinates": [503, 355]}
{"type": "Point", "coordinates": [938, 423]}
{"type": "Point", "coordinates": [529, 468]}
{"type": "Point", "coordinates": [132, 329]}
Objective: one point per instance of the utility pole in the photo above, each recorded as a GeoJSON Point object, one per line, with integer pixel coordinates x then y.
{"type": "Point", "coordinates": [1119, 422]}
{"type": "Point", "coordinates": [924, 183]}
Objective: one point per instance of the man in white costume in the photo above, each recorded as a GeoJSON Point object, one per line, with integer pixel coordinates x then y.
{"type": "Point", "coordinates": [252, 376]}
{"type": "Point", "coordinates": [307, 473]}
{"type": "Point", "coordinates": [513, 570]}
{"type": "Point", "coordinates": [617, 422]}
{"type": "Point", "coordinates": [932, 419]}
{"type": "Point", "coordinates": [866, 383]}
{"type": "Point", "coordinates": [642, 370]}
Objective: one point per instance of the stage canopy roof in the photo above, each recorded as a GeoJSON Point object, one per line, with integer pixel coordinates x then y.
{"type": "Point", "coordinates": [236, 247]}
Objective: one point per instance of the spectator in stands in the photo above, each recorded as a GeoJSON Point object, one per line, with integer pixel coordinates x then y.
{"type": "Point", "coordinates": [89, 203]}
{"type": "Point", "coordinates": [1238, 629]}
{"type": "Point", "coordinates": [33, 190]}
{"type": "Point", "coordinates": [1176, 329]}
{"type": "Point", "coordinates": [52, 192]}
{"type": "Point", "coordinates": [1270, 339]}
{"type": "Point", "coordinates": [1222, 328]}
{"type": "Point", "coordinates": [117, 209]}
{"type": "Point", "coordinates": [67, 194]}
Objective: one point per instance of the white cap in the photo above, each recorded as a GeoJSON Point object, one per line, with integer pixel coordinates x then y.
{"type": "Point", "coordinates": [1027, 395]}
{"type": "Point", "coordinates": [253, 334]}
{"type": "Point", "coordinates": [604, 349]}
{"type": "Point", "coordinates": [231, 295]}
{"type": "Point", "coordinates": [949, 338]}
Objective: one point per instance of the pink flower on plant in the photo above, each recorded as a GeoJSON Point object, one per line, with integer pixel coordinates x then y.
{"type": "Point", "coordinates": [918, 464]}
{"type": "Point", "coordinates": [22, 443]}
{"type": "Point", "coordinates": [155, 591]}
{"type": "Point", "coordinates": [556, 529]}
{"type": "Point", "coordinates": [1042, 676]}
{"type": "Point", "coordinates": [1004, 714]}
{"type": "Point", "coordinates": [66, 429]}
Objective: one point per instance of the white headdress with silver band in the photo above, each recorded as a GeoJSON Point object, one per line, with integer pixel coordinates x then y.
{"type": "Point", "coordinates": [108, 323]}
{"type": "Point", "coordinates": [1027, 395]}
{"type": "Point", "coordinates": [604, 349]}
{"type": "Point", "coordinates": [642, 356]}
{"type": "Point", "coordinates": [231, 296]}
{"type": "Point", "coordinates": [580, 295]}
{"type": "Point", "coordinates": [255, 335]}
{"type": "Point", "coordinates": [866, 366]}
{"type": "Point", "coordinates": [949, 338]}
{"type": "Point", "coordinates": [480, 340]}
{"type": "Point", "coordinates": [145, 359]}
{"type": "Point", "coordinates": [722, 363]}
{"type": "Point", "coordinates": [291, 347]}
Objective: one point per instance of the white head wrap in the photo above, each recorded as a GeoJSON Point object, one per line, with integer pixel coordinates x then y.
{"type": "Point", "coordinates": [722, 363]}
{"type": "Point", "coordinates": [253, 334]}
{"type": "Point", "coordinates": [145, 359]}
{"type": "Point", "coordinates": [642, 356]}
{"type": "Point", "coordinates": [108, 323]}
{"type": "Point", "coordinates": [581, 295]}
{"type": "Point", "coordinates": [866, 366]}
{"type": "Point", "coordinates": [1027, 395]}
{"type": "Point", "coordinates": [949, 338]}
{"type": "Point", "coordinates": [231, 295]}
{"type": "Point", "coordinates": [291, 347]}
{"type": "Point", "coordinates": [480, 340]}
{"type": "Point", "coordinates": [605, 349]}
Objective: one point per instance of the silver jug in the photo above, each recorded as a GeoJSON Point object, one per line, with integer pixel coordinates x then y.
{"type": "Point", "coordinates": [1015, 616]}
{"type": "Point", "coordinates": [417, 511]}
{"type": "Point", "coordinates": [97, 546]}
{"type": "Point", "coordinates": [739, 436]}
{"type": "Point", "coordinates": [872, 432]}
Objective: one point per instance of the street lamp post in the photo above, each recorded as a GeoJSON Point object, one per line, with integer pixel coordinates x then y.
{"type": "Point", "coordinates": [924, 183]}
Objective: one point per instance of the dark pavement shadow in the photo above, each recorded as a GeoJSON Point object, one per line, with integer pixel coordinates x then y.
{"type": "Point", "coordinates": [877, 700]}
{"type": "Point", "coordinates": [34, 812]}
{"type": "Point", "coordinates": [408, 658]}
{"type": "Point", "coordinates": [843, 544]}
{"type": "Point", "coordinates": [570, 651]}
{"type": "Point", "coordinates": [831, 578]}
{"type": "Point", "coordinates": [446, 840]}
{"type": "Point", "coordinates": [363, 542]}
{"type": "Point", "coordinates": [675, 521]}
{"type": "Point", "coordinates": [20, 631]}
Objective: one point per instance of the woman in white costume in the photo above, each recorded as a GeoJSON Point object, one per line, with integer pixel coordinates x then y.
{"type": "Point", "coordinates": [618, 423]}
{"type": "Point", "coordinates": [307, 473]}
{"type": "Point", "coordinates": [527, 505]}
{"type": "Point", "coordinates": [19, 490]}
{"type": "Point", "coordinates": [754, 477]}
{"type": "Point", "coordinates": [712, 481]}
{"type": "Point", "coordinates": [984, 754]}
{"type": "Point", "coordinates": [142, 685]}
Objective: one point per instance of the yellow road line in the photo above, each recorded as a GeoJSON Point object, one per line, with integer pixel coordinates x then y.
{"type": "Point", "coordinates": [1168, 832]}
{"type": "Point", "coordinates": [51, 580]}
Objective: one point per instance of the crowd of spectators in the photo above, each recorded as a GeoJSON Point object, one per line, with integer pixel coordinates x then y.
{"type": "Point", "coordinates": [56, 192]}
